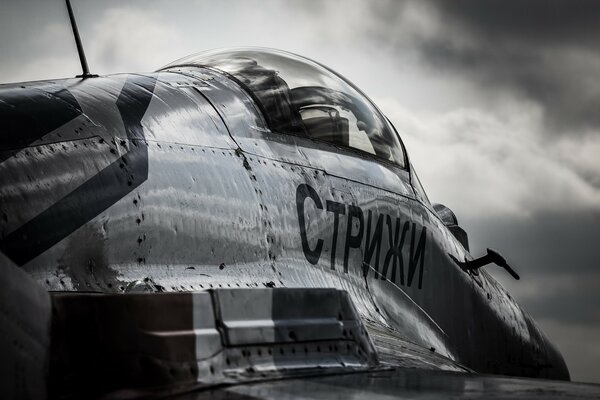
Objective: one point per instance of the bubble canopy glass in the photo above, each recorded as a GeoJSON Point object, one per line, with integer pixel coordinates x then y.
{"type": "Point", "coordinates": [301, 97]}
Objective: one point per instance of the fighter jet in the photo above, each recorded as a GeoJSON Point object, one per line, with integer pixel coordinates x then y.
{"type": "Point", "coordinates": [241, 223]}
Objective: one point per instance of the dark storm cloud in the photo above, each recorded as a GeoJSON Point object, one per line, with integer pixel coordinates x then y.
{"type": "Point", "coordinates": [557, 256]}
{"type": "Point", "coordinates": [524, 45]}
{"type": "Point", "coordinates": [567, 306]}
{"type": "Point", "coordinates": [545, 51]}
{"type": "Point", "coordinates": [560, 242]}
{"type": "Point", "coordinates": [541, 22]}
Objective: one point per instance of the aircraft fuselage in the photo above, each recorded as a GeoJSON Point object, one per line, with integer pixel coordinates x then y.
{"type": "Point", "coordinates": [173, 181]}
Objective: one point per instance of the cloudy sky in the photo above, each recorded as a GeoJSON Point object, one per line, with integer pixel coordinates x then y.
{"type": "Point", "coordinates": [497, 102]}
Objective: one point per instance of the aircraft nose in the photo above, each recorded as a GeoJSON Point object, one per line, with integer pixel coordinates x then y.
{"type": "Point", "coordinates": [557, 366]}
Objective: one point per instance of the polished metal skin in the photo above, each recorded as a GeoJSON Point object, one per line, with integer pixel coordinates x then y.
{"type": "Point", "coordinates": [173, 181]}
{"type": "Point", "coordinates": [402, 384]}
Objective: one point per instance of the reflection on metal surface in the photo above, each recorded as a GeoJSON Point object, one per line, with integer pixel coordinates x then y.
{"type": "Point", "coordinates": [403, 384]}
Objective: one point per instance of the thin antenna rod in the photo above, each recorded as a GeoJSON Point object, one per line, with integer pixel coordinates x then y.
{"type": "Point", "coordinates": [84, 65]}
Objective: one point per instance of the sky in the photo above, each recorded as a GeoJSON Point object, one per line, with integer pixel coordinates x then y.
{"type": "Point", "coordinates": [497, 102]}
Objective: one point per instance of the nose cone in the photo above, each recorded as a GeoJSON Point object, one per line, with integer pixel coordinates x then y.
{"type": "Point", "coordinates": [557, 368]}
{"type": "Point", "coordinates": [546, 358]}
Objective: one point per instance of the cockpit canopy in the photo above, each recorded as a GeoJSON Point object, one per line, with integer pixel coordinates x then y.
{"type": "Point", "coordinates": [301, 97]}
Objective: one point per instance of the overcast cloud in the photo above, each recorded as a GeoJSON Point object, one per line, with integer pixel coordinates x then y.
{"type": "Point", "coordinates": [497, 102]}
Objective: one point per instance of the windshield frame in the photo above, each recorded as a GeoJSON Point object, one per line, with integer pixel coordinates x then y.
{"type": "Point", "coordinates": [193, 61]}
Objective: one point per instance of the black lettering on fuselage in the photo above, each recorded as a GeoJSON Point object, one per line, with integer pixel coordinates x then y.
{"type": "Point", "coordinates": [416, 254]}
{"type": "Point", "coordinates": [394, 253]}
{"type": "Point", "coordinates": [353, 241]}
{"type": "Point", "coordinates": [302, 193]}
{"type": "Point", "coordinates": [337, 209]}
{"type": "Point", "coordinates": [373, 245]}
{"type": "Point", "coordinates": [398, 231]}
